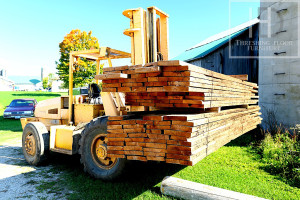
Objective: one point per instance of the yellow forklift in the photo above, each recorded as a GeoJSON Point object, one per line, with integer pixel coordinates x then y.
{"type": "Point", "coordinates": [77, 123]}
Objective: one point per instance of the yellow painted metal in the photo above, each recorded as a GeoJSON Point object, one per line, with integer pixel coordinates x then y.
{"type": "Point", "coordinates": [103, 53]}
{"type": "Point", "coordinates": [137, 33]}
{"type": "Point", "coordinates": [71, 87]}
{"type": "Point", "coordinates": [86, 112]}
{"type": "Point", "coordinates": [99, 153]}
{"type": "Point", "coordinates": [25, 121]}
{"type": "Point", "coordinates": [98, 69]}
{"type": "Point", "coordinates": [64, 137]}
{"type": "Point", "coordinates": [149, 34]}
{"type": "Point", "coordinates": [109, 62]}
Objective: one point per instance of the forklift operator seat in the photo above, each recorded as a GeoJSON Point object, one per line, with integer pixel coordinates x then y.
{"type": "Point", "coordinates": [94, 91]}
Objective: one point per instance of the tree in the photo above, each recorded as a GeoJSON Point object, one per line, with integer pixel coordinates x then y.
{"type": "Point", "coordinates": [45, 82]}
{"type": "Point", "coordinates": [84, 70]}
{"type": "Point", "coordinates": [51, 78]}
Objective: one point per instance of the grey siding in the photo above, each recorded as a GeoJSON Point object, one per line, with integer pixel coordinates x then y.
{"type": "Point", "coordinates": [219, 60]}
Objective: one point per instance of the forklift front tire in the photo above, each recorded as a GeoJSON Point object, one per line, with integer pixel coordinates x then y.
{"type": "Point", "coordinates": [93, 151]}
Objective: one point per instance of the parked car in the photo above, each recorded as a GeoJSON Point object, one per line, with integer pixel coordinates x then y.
{"type": "Point", "coordinates": [20, 108]}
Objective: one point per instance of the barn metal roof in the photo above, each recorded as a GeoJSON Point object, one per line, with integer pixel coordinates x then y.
{"type": "Point", "coordinates": [211, 44]}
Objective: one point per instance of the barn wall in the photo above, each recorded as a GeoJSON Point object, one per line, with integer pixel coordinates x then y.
{"type": "Point", "coordinates": [220, 61]}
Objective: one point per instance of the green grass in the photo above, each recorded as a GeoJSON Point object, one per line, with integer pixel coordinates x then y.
{"type": "Point", "coordinates": [12, 125]}
{"type": "Point", "coordinates": [234, 167]}
{"type": "Point", "coordinates": [239, 169]}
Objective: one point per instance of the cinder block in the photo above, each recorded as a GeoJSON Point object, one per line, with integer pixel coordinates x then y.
{"type": "Point", "coordinates": [293, 91]}
{"type": "Point", "coordinates": [282, 113]}
{"type": "Point", "coordinates": [285, 30]}
{"type": "Point", "coordinates": [265, 75]}
{"type": "Point", "coordinates": [294, 50]}
{"type": "Point", "coordinates": [265, 109]}
{"type": "Point", "coordinates": [294, 79]}
{"type": "Point", "coordinates": [280, 93]}
{"type": "Point", "coordinates": [283, 59]}
{"type": "Point", "coordinates": [294, 67]}
{"type": "Point", "coordinates": [294, 115]}
{"type": "Point", "coordinates": [280, 14]}
{"type": "Point", "coordinates": [281, 68]}
{"type": "Point", "coordinates": [281, 78]}
{"type": "Point", "coordinates": [265, 93]}
{"type": "Point", "coordinates": [264, 62]}
{"type": "Point", "coordinates": [280, 74]}
{"type": "Point", "coordinates": [266, 3]}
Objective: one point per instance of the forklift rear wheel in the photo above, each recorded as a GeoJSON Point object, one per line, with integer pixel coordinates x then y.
{"type": "Point", "coordinates": [35, 143]}
{"type": "Point", "coordinates": [93, 151]}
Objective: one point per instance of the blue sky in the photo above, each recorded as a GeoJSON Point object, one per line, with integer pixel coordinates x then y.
{"type": "Point", "coordinates": [31, 30]}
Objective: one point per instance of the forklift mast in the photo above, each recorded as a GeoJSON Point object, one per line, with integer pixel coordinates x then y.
{"type": "Point", "coordinates": [149, 43]}
{"type": "Point", "coordinates": [149, 35]}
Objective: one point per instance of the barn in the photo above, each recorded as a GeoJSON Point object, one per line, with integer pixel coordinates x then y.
{"type": "Point", "coordinates": [231, 52]}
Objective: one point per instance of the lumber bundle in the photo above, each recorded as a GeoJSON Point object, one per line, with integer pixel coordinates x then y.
{"type": "Point", "coordinates": [177, 84]}
{"type": "Point", "coordinates": [179, 139]}
{"type": "Point", "coordinates": [185, 100]}
{"type": "Point", "coordinates": [195, 95]}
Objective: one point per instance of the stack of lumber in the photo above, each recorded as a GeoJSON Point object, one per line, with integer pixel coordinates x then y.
{"type": "Point", "coordinates": [190, 134]}
{"type": "Point", "coordinates": [179, 139]}
{"type": "Point", "coordinates": [177, 84]}
{"type": "Point", "coordinates": [186, 100]}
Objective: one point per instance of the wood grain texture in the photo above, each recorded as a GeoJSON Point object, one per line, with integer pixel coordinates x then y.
{"type": "Point", "coordinates": [202, 122]}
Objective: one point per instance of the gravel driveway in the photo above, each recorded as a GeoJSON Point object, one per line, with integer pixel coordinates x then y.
{"type": "Point", "coordinates": [18, 180]}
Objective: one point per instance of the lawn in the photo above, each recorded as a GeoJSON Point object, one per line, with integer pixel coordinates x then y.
{"type": "Point", "coordinates": [10, 128]}
{"type": "Point", "coordinates": [234, 167]}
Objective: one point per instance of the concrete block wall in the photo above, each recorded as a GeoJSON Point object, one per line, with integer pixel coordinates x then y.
{"type": "Point", "coordinates": [279, 75]}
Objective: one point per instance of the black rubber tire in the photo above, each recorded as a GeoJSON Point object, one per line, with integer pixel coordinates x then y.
{"type": "Point", "coordinates": [96, 127]}
{"type": "Point", "coordinates": [41, 137]}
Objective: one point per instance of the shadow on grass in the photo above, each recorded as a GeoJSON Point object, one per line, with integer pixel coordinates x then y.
{"type": "Point", "coordinates": [250, 138]}
{"type": "Point", "coordinates": [278, 174]}
{"type": "Point", "coordinates": [10, 124]}
{"type": "Point", "coordinates": [137, 178]}
{"type": "Point", "coordinates": [37, 94]}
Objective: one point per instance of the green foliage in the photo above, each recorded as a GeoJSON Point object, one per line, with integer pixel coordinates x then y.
{"type": "Point", "coordinates": [45, 82]}
{"type": "Point", "coordinates": [84, 70]}
{"type": "Point", "coordinates": [51, 78]}
{"type": "Point", "coordinates": [281, 153]}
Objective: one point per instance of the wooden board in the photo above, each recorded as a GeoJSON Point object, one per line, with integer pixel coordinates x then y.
{"type": "Point", "coordinates": [178, 87]}
{"type": "Point", "coordinates": [182, 83]}
{"type": "Point", "coordinates": [181, 138]}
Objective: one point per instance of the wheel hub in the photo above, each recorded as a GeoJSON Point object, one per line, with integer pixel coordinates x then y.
{"type": "Point", "coordinates": [101, 152]}
{"type": "Point", "coordinates": [30, 144]}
